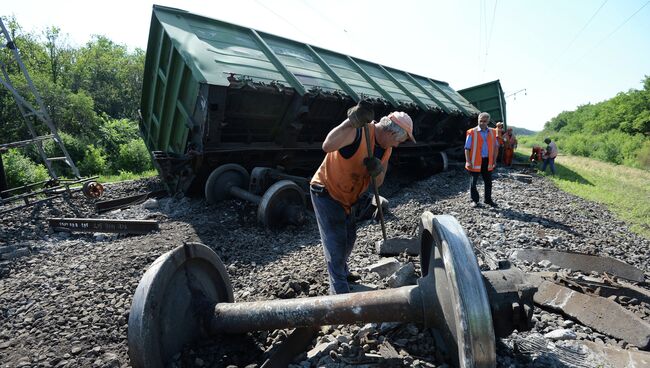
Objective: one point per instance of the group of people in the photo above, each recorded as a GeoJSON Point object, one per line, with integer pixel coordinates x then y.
{"type": "Point", "coordinates": [357, 154]}
{"type": "Point", "coordinates": [507, 144]}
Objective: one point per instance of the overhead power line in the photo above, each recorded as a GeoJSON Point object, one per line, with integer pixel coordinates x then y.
{"type": "Point", "coordinates": [560, 55]}
{"type": "Point", "coordinates": [622, 24]}
{"type": "Point", "coordinates": [614, 31]}
{"type": "Point", "coordinates": [487, 47]}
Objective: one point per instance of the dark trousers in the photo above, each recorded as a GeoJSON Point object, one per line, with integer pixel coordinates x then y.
{"type": "Point", "coordinates": [487, 182]}
{"type": "Point", "coordinates": [338, 232]}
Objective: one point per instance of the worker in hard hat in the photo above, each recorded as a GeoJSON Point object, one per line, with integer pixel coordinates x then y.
{"type": "Point", "coordinates": [344, 176]}
{"type": "Point", "coordinates": [509, 146]}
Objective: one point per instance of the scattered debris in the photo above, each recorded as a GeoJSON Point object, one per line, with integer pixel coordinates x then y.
{"type": "Point", "coordinates": [385, 267]}
{"type": "Point", "coordinates": [601, 314]}
{"type": "Point", "coordinates": [405, 275]}
{"type": "Point", "coordinates": [581, 262]}
{"type": "Point", "coordinates": [398, 246]}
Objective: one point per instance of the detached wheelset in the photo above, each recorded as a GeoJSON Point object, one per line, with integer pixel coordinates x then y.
{"type": "Point", "coordinates": [186, 296]}
{"type": "Point", "coordinates": [92, 189]}
{"type": "Point", "coordinates": [283, 202]}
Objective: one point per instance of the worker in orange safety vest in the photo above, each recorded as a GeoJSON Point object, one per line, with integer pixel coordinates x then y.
{"type": "Point", "coordinates": [481, 147]}
{"type": "Point", "coordinates": [500, 133]}
{"type": "Point", "coordinates": [509, 146]}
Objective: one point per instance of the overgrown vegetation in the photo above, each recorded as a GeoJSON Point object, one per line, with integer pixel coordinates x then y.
{"type": "Point", "coordinates": [616, 130]}
{"type": "Point", "coordinates": [92, 94]}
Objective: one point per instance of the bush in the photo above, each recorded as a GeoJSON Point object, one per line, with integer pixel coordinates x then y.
{"type": "Point", "coordinates": [20, 170]}
{"type": "Point", "coordinates": [643, 155]}
{"type": "Point", "coordinates": [134, 157]}
{"type": "Point", "coordinates": [116, 132]}
{"type": "Point", "coordinates": [94, 161]}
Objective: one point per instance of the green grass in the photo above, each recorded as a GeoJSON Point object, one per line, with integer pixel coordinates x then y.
{"type": "Point", "coordinates": [623, 190]}
{"type": "Point", "coordinates": [125, 175]}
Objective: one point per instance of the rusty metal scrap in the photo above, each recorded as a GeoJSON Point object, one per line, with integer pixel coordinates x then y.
{"type": "Point", "coordinates": [582, 262]}
{"type": "Point", "coordinates": [97, 225]}
{"type": "Point", "coordinates": [607, 288]}
{"type": "Point", "coordinates": [114, 204]}
{"type": "Point", "coordinates": [601, 314]}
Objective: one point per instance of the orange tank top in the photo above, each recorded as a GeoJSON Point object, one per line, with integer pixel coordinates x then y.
{"type": "Point", "coordinates": [346, 179]}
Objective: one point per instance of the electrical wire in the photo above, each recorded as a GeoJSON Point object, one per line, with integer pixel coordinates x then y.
{"type": "Point", "coordinates": [487, 47]}
{"type": "Point", "coordinates": [560, 55]}
{"type": "Point", "coordinates": [621, 25]}
{"type": "Point", "coordinates": [281, 17]}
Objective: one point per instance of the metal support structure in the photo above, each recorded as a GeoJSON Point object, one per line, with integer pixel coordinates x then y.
{"type": "Point", "coordinates": [399, 84]}
{"type": "Point", "coordinates": [39, 111]}
{"type": "Point", "coordinates": [372, 82]}
{"type": "Point", "coordinates": [451, 99]}
{"type": "Point", "coordinates": [426, 92]}
{"type": "Point", "coordinates": [51, 189]}
{"type": "Point", "coordinates": [323, 64]}
{"type": "Point", "coordinates": [291, 79]}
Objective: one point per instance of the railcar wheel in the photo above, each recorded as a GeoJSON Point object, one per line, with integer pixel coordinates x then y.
{"type": "Point", "coordinates": [283, 203]}
{"type": "Point", "coordinates": [92, 189]}
{"type": "Point", "coordinates": [217, 187]}
{"type": "Point", "coordinates": [459, 304]}
{"type": "Point", "coordinates": [173, 301]}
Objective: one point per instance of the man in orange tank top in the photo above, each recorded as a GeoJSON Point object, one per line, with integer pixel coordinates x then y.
{"type": "Point", "coordinates": [345, 175]}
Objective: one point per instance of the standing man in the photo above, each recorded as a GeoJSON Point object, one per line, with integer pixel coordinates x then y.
{"type": "Point", "coordinates": [549, 155]}
{"type": "Point", "coordinates": [481, 147]}
{"type": "Point", "coordinates": [345, 175]}
{"type": "Point", "coordinates": [500, 133]}
{"type": "Point", "coordinates": [510, 144]}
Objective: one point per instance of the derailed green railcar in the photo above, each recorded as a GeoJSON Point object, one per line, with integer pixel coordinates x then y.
{"type": "Point", "coordinates": [487, 97]}
{"type": "Point", "coordinates": [216, 93]}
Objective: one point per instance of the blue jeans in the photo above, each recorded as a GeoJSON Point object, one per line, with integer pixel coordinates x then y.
{"type": "Point", "coordinates": [551, 162]}
{"type": "Point", "coordinates": [338, 232]}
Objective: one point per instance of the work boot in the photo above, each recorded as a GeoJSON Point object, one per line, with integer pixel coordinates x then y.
{"type": "Point", "coordinates": [353, 276]}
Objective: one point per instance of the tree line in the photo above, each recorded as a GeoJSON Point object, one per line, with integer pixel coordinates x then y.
{"type": "Point", "coordinates": [616, 130]}
{"type": "Point", "coordinates": [92, 94]}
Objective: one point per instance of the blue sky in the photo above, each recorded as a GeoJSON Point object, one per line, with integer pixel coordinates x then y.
{"type": "Point", "coordinates": [563, 53]}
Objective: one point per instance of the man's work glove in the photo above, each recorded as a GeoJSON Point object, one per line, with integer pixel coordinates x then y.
{"type": "Point", "coordinates": [361, 114]}
{"type": "Point", "coordinates": [374, 166]}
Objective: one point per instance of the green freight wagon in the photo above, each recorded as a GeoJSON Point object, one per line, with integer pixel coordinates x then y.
{"type": "Point", "coordinates": [216, 93]}
{"type": "Point", "coordinates": [487, 97]}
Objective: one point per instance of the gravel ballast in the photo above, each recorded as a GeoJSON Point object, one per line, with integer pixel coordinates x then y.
{"type": "Point", "coordinates": [65, 297]}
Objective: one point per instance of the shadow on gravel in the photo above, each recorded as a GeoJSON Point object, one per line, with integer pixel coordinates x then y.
{"type": "Point", "coordinates": [544, 221]}
{"type": "Point", "coordinates": [564, 173]}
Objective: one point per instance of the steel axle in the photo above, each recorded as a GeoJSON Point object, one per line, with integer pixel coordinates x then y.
{"type": "Point", "coordinates": [186, 294]}
{"type": "Point", "coordinates": [282, 203]}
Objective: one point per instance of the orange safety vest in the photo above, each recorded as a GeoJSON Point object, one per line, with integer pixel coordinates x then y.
{"type": "Point", "coordinates": [346, 179]}
{"type": "Point", "coordinates": [477, 146]}
{"type": "Point", "coordinates": [509, 140]}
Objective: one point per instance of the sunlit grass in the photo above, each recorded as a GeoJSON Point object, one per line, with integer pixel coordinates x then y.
{"type": "Point", "coordinates": [126, 175]}
{"type": "Point", "coordinates": [623, 190]}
